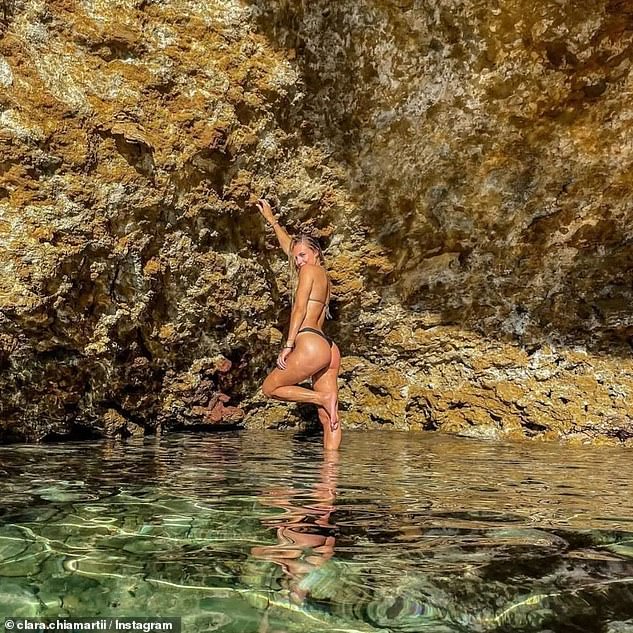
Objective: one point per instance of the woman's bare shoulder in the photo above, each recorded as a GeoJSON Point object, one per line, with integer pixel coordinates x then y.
{"type": "Point", "coordinates": [313, 271]}
{"type": "Point", "coordinates": [309, 269]}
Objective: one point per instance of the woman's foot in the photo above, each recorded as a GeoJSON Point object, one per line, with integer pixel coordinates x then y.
{"type": "Point", "coordinates": [330, 404]}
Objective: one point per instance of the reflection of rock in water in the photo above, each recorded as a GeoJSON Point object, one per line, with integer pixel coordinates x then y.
{"type": "Point", "coordinates": [500, 580]}
{"type": "Point", "coordinates": [510, 584]}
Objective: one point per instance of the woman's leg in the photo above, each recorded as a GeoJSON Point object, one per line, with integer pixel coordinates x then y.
{"type": "Point", "coordinates": [311, 354]}
{"type": "Point", "coordinates": [325, 381]}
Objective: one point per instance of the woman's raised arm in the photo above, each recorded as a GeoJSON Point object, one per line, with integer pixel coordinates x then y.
{"type": "Point", "coordinates": [283, 237]}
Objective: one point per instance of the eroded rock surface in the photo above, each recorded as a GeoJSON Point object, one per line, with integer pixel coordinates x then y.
{"type": "Point", "coordinates": [487, 146]}
{"type": "Point", "coordinates": [468, 164]}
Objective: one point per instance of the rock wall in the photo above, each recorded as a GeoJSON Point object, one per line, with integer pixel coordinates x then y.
{"type": "Point", "coordinates": [488, 147]}
{"type": "Point", "coordinates": [132, 136]}
{"type": "Point", "coordinates": [467, 164]}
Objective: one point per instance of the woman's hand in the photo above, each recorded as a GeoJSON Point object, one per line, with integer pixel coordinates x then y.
{"type": "Point", "coordinates": [266, 210]}
{"type": "Point", "coordinates": [282, 236]}
{"type": "Point", "coordinates": [283, 355]}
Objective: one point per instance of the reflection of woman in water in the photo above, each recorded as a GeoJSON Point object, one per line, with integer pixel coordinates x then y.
{"type": "Point", "coordinates": [308, 352]}
{"type": "Point", "coordinates": [304, 533]}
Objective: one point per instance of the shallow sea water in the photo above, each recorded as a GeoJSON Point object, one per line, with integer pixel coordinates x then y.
{"type": "Point", "coordinates": [261, 532]}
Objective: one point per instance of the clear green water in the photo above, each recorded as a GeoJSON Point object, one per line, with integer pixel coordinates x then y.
{"type": "Point", "coordinates": [259, 532]}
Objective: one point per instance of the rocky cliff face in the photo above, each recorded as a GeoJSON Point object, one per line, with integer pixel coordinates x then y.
{"type": "Point", "coordinates": [486, 144]}
{"type": "Point", "coordinates": [467, 163]}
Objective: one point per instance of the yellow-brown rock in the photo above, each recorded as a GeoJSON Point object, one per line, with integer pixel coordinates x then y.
{"type": "Point", "coordinates": [467, 164]}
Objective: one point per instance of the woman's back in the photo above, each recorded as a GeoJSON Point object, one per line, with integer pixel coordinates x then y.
{"type": "Point", "coordinates": [318, 302]}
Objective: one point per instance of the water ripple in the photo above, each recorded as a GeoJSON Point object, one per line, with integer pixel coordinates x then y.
{"type": "Point", "coordinates": [427, 534]}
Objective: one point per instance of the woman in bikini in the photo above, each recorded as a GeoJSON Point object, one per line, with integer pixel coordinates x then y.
{"type": "Point", "coordinates": [308, 352]}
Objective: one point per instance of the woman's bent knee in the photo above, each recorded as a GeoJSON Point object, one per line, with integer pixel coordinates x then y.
{"type": "Point", "coordinates": [268, 387]}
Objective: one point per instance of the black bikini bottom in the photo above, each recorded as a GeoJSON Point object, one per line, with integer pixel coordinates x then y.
{"type": "Point", "coordinates": [311, 329]}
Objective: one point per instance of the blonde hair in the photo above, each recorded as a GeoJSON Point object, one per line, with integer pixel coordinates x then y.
{"type": "Point", "coordinates": [312, 243]}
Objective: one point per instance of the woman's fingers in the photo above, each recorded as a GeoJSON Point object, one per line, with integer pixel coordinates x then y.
{"type": "Point", "coordinates": [264, 206]}
{"type": "Point", "coordinates": [281, 359]}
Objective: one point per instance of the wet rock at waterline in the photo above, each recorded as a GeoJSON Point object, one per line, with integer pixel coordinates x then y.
{"type": "Point", "coordinates": [467, 164]}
